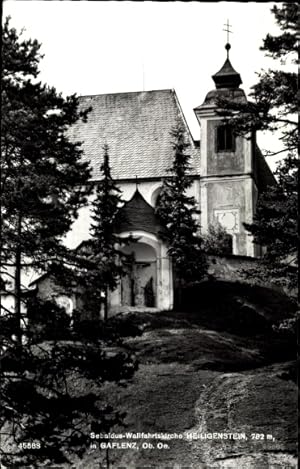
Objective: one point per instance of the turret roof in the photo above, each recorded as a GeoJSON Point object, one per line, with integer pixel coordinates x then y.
{"type": "Point", "coordinates": [227, 77]}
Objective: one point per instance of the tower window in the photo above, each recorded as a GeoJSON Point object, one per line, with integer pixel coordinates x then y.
{"type": "Point", "coordinates": [225, 138]}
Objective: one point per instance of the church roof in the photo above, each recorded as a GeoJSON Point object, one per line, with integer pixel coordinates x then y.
{"type": "Point", "coordinates": [263, 173]}
{"type": "Point", "coordinates": [137, 214]}
{"type": "Point", "coordinates": [227, 81]}
{"type": "Point", "coordinates": [227, 77]}
{"type": "Point", "coordinates": [136, 127]}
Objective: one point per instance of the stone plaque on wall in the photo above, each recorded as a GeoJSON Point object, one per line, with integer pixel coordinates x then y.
{"type": "Point", "coordinates": [229, 219]}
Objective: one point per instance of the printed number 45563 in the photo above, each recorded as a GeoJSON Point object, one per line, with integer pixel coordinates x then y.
{"type": "Point", "coordinates": [30, 445]}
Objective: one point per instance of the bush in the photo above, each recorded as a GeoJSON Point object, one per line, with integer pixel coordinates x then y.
{"type": "Point", "coordinates": [47, 320]}
{"type": "Point", "coordinates": [112, 330]}
{"type": "Point", "coordinates": [289, 326]}
{"type": "Point", "coordinates": [217, 241]}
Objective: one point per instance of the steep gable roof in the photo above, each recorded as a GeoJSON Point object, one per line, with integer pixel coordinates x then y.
{"type": "Point", "coordinates": [136, 127]}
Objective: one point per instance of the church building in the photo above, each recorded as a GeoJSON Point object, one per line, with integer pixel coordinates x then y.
{"type": "Point", "coordinates": [227, 173]}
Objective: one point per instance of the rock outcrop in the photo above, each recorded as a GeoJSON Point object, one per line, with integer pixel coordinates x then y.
{"type": "Point", "coordinates": [260, 406]}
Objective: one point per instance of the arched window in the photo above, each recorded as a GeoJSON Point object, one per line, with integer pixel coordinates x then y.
{"type": "Point", "coordinates": [225, 138]}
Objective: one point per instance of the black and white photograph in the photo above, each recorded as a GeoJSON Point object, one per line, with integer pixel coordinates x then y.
{"type": "Point", "coordinates": [149, 300]}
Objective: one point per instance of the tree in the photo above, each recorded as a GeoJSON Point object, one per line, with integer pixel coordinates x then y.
{"type": "Point", "coordinates": [274, 108]}
{"type": "Point", "coordinates": [177, 213]}
{"type": "Point", "coordinates": [49, 388]}
{"type": "Point", "coordinates": [275, 227]}
{"type": "Point", "coordinates": [104, 243]}
{"type": "Point", "coordinates": [50, 400]}
{"type": "Point", "coordinates": [274, 103]}
{"type": "Point", "coordinates": [42, 177]}
{"type": "Point", "coordinates": [217, 241]}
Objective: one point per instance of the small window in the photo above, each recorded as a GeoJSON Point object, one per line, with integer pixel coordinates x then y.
{"type": "Point", "coordinates": [225, 138]}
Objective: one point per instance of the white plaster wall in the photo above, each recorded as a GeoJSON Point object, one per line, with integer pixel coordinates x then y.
{"type": "Point", "coordinates": [143, 252]}
{"type": "Point", "coordinates": [249, 212]}
{"type": "Point", "coordinates": [27, 276]}
{"type": "Point", "coordinates": [247, 145]}
{"type": "Point", "coordinates": [203, 207]}
{"type": "Point", "coordinates": [80, 229]}
{"type": "Point", "coordinates": [8, 303]}
{"type": "Point", "coordinates": [194, 191]}
{"type": "Point", "coordinates": [203, 147]}
{"type": "Point", "coordinates": [164, 285]}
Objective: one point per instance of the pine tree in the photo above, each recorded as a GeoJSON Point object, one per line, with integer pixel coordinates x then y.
{"type": "Point", "coordinates": [273, 102]}
{"type": "Point", "coordinates": [274, 107]}
{"type": "Point", "coordinates": [50, 401]}
{"type": "Point", "coordinates": [42, 177]}
{"type": "Point", "coordinates": [275, 227]}
{"type": "Point", "coordinates": [105, 209]}
{"type": "Point", "coordinates": [177, 212]}
{"type": "Point", "coordinates": [44, 419]}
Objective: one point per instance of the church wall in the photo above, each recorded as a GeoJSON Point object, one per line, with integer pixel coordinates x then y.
{"type": "Point", "coordinates": [256, 248]}
{"type": "Point", "coordinates": [149, 189]}
{"type": "Point", "coordinates": [223, 162]}
{"type": "Point", "coordinates": [163, 277]}
{"type": "Point", "coordinates": [228, 203]}
{"type": "Point", "coordinates": [49, 290]}
{"type": "Point", "coordinates": [81, 226]}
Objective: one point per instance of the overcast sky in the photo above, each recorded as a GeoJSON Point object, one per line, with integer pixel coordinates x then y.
{"type": "Point", "coordinates": [107, 47]}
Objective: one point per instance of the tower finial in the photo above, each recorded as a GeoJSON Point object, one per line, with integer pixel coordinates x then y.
{"type": "Point", "coordinates": [227, 30]}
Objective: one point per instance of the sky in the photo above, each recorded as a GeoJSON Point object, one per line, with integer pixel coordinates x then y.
{"type": "Point", "coordinates": [95, 47]}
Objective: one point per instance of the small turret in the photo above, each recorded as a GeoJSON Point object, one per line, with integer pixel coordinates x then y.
{"type": "Point", "coordinates": [227, 77]}
{"type": "Point", "coordinates": [227, 81]}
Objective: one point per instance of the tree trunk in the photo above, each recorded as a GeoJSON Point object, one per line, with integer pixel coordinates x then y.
{"type": "Point", "coordinates": [178, 293]}
{"type": "Point", "coordinates": [18, 291]}
{"type": "Point", "coordinates": [179, 296]}
{"type": "Point", "coordinates": [106, 305]}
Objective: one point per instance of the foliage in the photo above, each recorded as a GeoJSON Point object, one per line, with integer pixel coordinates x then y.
{"type": "Point", "coordinates": [105, 216]}
{"type": "Point", "coordinates": [274, 97]}
{"type": "Point", "coordinates": [275, 227]}
{"type": "Point", "coordinates": [274, 108]}
{"type": "Point", "coordinates": [217, 241]}
{"type": "Point", "coordinates": [50, 399]}
{"type": "Point", "coordinates": [112, 331]}
{"type": "Point", "coordinates": [49, 389]}
{"type": "Point", "coordinates": [42, 177]}
{"type": "Point", "coordinates": [47, 320]}
{"type": "Point", "coordinates": [289, 326]}
{"type": "Point", "coordinates": [177, 212]}
{"type": "Point", "coordinates": [102, 249]}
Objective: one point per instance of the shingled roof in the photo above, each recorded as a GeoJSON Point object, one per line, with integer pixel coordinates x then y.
{"type": "Point", "coordinates": [137, 214]}
{"type": "Point", "coordinates": [136, 127]}
{"type": "Point", "coordinates": [264, 175]}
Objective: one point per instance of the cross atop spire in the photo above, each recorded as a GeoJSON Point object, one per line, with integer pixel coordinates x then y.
{"type": "Point", "coordinates": [227, 77]}
{"type": "Point", "coordinates": [228, 31]}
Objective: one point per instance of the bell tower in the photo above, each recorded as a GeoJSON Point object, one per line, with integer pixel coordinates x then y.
{"type": "Point", "coordinates": [228, 190]}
